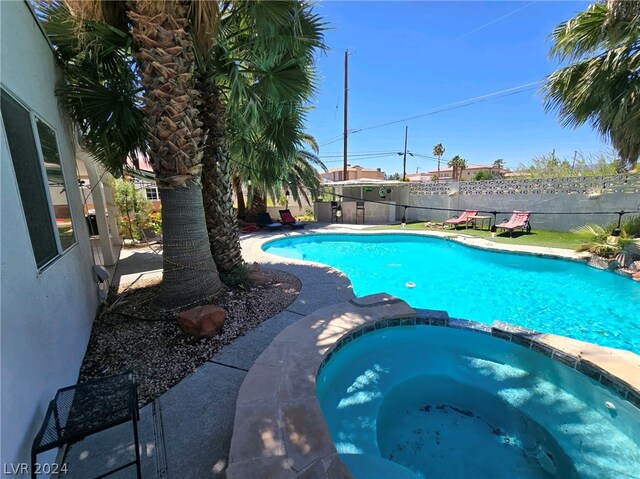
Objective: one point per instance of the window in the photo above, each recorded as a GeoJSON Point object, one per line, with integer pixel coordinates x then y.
{"type": "Point", "coordinates": [152, 193]}
{"type": "Point", "coordinates": [35, 156]}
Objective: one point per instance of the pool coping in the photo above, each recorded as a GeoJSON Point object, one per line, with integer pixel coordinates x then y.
{"type": "Point", "coordinates": [279, 428]}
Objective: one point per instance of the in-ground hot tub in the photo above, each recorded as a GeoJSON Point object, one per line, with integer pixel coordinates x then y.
{"type": "Point", "coordinates": [440, 402]}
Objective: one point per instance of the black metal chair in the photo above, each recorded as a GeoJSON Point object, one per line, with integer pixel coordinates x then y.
{"type": "Point", "coordinates": [85, 409]}
{"type": "Point", "coordinates": [359, 209]}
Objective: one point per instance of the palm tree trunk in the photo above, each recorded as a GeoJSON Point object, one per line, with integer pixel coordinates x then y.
{"type": "Point", "coordinates": [236, 182]}
{"type": "Point", "coordinates": [190, 274]}
{"type": "Point", "coordinates": [222, 223]}
{"type": "Point", "coordinates": [166, 61]}
{"type": "Point", "coordinates": [258, 205]}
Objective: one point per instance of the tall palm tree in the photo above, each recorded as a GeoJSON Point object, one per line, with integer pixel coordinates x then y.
{"type": "Point", "coordinates": [275, 41]}
{"type": "Point", "coordinates": [458, 164]}
{"type": "Point", "coordinates": [302, 181]}
{"type": "Point", "coordinates": [166, 36]}
{"type": "Point", "coordinates": [438, 151]}
{"type": "Point", "coordinates": [601, 85]}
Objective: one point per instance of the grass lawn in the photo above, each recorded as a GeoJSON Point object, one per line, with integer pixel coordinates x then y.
{"type": "Point", "coordinates": [549, 239]}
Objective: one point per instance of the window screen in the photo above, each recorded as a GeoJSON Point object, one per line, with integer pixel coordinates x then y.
{"type": "Point", "coordinates": [28, 170]}
{"type": "Point", "coordinates": [57, 187]}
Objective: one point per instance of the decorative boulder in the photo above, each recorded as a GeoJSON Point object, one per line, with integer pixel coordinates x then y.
{"type": "Point", "coordinates": [202, 321]}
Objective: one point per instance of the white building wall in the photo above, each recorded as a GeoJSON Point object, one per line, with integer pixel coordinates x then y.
{"type": "Point", "coordinates": [46, 315]}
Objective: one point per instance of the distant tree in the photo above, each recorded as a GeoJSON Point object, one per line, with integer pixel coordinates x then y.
{"type": "Point", "coordinates": [550, 166]}
{"type": "Point", "coordinates": [394, 177]}
{"type": "Point", "coordinates": [482, 176]}
{"type": "Point", "coordinates": [458, 164]}
{"type": "Point", "coordinates": [601, 83]}
{"type": "Point", "coordinates": [438, 151]}
{"type": "Point", "coordinates": [498, 164]}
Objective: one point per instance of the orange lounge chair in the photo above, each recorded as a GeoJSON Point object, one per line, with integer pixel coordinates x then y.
{"type": "Point", "coordinates": [519, 219]}
{"type": "Point", "coordinates": [463, 218]}
{"type": "Point", "coordinates": [289, 220]}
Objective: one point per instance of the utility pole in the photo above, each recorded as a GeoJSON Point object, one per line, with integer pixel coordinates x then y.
{"type": "Point", "coordinates": [346, 109]}
{"type": "Point", "coordinates": [404, 155]}
{"type": "Point", "coordinates": [404, 160]}
{"type": "Point", "coordinates": [575, 154]}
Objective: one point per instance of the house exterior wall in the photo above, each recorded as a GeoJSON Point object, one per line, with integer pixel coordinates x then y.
{"type": "Point", "coordinates": [46, 314]}
{"type": "Point", "coordinates": [353, 173]}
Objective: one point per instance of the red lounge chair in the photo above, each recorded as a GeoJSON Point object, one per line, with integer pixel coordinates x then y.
{"type": "Point", "coordinates": [463, 218]}
{"type": "Point", "coordinates": [519, 219]}
{"type": "Point", "coordinates": [289, 220]}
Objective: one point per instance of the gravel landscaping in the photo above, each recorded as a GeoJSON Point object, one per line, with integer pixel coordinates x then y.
{"type": "Point", "coordinates": [131, 332]}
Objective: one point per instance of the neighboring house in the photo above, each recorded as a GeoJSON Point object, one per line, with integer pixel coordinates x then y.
{"type": "Point", "coordinates": [420, 177]}
{"type": "Point", "coordinates": [446, 173]}
{"type": "Point", "coordinates": [353, 173]}
{"type": "Point", "coordinates": [48, 287]}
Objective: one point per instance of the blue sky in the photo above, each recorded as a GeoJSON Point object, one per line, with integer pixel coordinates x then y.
{"type": "Point", "coordinates": [410, 58]}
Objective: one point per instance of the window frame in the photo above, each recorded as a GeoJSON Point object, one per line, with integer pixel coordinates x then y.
{"type": "Point", "coordinates": [33, 117]}
{"type": "Point", "coordinates": [155, 191]}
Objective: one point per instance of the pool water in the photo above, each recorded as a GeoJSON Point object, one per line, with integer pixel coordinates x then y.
{"type": "Point", "coordinates": [548, 295]}
{"type": "Point", "coordinates": [445, 403]}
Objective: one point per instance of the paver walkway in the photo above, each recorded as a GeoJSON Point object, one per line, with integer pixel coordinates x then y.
{"type": "Point", "coordinates": [186, 432]}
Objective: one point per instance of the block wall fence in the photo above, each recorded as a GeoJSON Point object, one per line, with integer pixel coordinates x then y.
{"type": "Point", "coordinates": [583, 198]}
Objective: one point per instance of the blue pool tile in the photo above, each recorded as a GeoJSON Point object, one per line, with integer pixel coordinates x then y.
{"type": "Point", "coordinates": [521, 340]}
{"type": "Point", "coordinates": [634, 398]}
{"type": "Point", "coordinates": [496, 333]}
{"type": "Point", "coordinates": [589, 370]}
{"type": "Point", "coordinates": [542, 348]}
{"type": "Point", "coordinates": [564, 359]}
{"type": "Point", "coordinates": [613, 384]}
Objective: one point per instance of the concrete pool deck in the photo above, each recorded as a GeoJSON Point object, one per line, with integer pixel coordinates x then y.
{"type": "Point", "coordinates": [187, 432]}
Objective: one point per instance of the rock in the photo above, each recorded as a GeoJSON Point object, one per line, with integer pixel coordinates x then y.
{"type": "Point", "coordinates": [635, 266]}
{"type": "Point", "coordinates": [636, 276]}
{"type": "Point", "coordinates": [202, 321]}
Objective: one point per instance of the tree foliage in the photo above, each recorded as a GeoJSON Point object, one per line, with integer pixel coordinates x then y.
{"type": "Point", "coordinates": [601, 84]}
{"type": "Point", "coordinates": [551, 166]}
{"type": "Point", "coordinates": [483, 176]}
{"type": "Point", "coordinates": [458, 164]}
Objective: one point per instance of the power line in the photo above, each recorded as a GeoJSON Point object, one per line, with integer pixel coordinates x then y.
{"type": "Point", "coordinates": [494, 21]}
{"type": "Point", "coordinates": [452, 106]}
{"type": "Point", "coordinates": [460, 104]}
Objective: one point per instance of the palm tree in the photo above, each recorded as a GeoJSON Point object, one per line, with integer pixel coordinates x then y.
{"type": "Point", "coordinates": [303, 181]}
{"type": "Point", "coordinates": [458, 164]}
{"type": "Point", "coordinates": [602, 81]}
{"type": "Point", "coordinates": [166, 36]}
{"type": "Point", "coordinates": [275, 41]}
{"type": "Point", "coordinates": [438, 151]}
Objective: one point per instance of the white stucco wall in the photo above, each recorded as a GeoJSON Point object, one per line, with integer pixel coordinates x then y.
{"type": "Point", "coordinates": [45, 316]}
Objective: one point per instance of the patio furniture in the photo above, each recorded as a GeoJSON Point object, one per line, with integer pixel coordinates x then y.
{"type": "Point", "coordinates": [518, 220]}
{"type": "Point", "coordinates": [475, 218]}
{"type": "Point", "coordinates": [289, 220]}
{"type": "Point", "coordinates": [88, 408]}
{"type": "Point", "coordinates": [463, 218]}
{"type": "Point", "coordinates": [265, 221]}
{"type": "Point", "coordinates": [152, 240]}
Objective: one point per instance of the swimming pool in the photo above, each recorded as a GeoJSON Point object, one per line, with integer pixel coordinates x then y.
{"type": "Point", "coordinates": [433, 402]}
{"type": "Point", "coordinates": [548, 295]}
